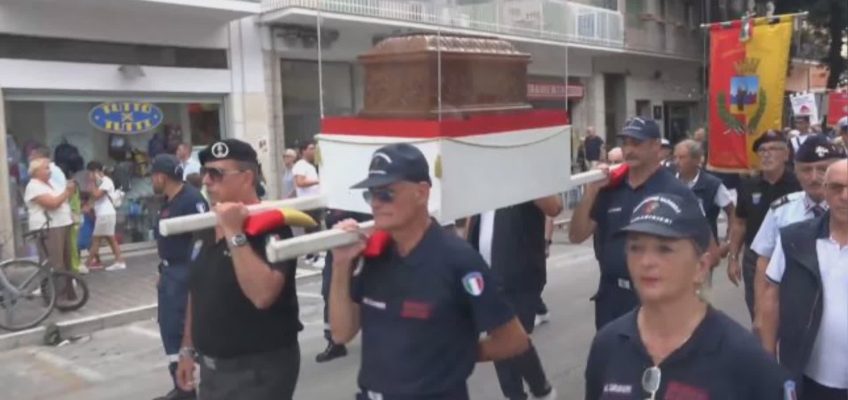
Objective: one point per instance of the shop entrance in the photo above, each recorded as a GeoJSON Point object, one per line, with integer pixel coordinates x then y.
{"type": "Point", "coordinates": [122, 134]}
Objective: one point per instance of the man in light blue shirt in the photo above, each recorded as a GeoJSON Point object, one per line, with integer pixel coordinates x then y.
{"type": "Point", "coordinates": [189, 164]}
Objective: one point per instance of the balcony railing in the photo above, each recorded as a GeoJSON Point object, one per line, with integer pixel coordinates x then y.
{"type": "Point", "coordinates": [557, 20]}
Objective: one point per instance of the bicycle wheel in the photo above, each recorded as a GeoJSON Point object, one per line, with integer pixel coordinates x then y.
{"type": "Point", "coordinates": [71, 290]}
{"type": "Point", "coordinates": [27, 294]}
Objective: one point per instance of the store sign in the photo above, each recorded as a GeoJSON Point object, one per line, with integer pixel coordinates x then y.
{"type": "Point", "coordinates": [125, 118]}
{"type": "Point", "coordinates": [553, 91]}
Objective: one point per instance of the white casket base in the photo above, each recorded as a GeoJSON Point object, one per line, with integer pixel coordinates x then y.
{"type": "Point", "coordinates": [471, 174]}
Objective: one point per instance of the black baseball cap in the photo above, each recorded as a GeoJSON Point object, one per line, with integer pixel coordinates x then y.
{"type": "Point", "coordinates": [669, 216]}
{"type": "Point", "coordinates": [768, 137]}
{"type": "Point", "coordinates": [228, 149]}
{"type": "Point", "coordinates": [395, 163]}
{"type": "Point", "coordinates": [641, 129]}
{"type": "Point", "coordinates": [817, 148]}
{"type": "Point", "coordinates": [169, 165]}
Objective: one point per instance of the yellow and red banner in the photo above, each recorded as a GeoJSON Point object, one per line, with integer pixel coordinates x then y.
{"type": "Point", "coordinates": [748, 63]}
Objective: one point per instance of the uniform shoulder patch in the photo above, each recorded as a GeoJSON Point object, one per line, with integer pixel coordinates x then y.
{"type": "Point", "coordinates": [783, 200]}
{"type": "Point", "coordinates": [473, 283]}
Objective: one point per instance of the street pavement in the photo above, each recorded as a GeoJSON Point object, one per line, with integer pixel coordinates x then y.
{"type": "Point", "coordinates": [127, 362]}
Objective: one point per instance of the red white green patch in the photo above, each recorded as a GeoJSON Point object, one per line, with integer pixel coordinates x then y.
{"type": "Point", "coordinates": [473, 283]}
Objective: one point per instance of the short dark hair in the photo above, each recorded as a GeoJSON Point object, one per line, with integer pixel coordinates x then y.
{"type": "Point", "coordinates": [305, 144]}
{"type": "Point", "coordinates": [94, 166]}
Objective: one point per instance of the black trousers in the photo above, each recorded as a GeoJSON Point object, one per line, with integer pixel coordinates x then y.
{"type": "Point", "coordinates": [266, 376]}
{"type": "Point", "coordinates": [812, 390]}
{"type": "Point", "coordinates": [613, 301]}
{"type": "Point", "coordinates": [527, 367]}
{"type": "Point", "coordinates": [749, 269]}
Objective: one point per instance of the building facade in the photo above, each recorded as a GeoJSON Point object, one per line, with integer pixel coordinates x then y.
{"type": "Point", "coordinates": [120, 81]}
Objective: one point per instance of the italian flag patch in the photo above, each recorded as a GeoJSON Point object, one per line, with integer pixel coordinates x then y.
{"type": "Point", "coordinates": [473, 283]}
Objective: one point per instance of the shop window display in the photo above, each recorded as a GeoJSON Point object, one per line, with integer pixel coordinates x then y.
{"type": "Point", "coordinates": [85, 127]}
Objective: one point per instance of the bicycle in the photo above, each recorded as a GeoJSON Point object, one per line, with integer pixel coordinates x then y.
{"type": "Point", "coordinates": [30, 290]}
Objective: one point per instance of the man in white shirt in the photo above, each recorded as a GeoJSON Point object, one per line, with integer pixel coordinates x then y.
{"type": "Point", "coordinates": [803, 312]}
{"type": "Point", "coordinates": [307, 184]}
{"type": "Point", "coordinates": [289, 157]}
{"type": "Point", "coordinates": [190, 165]}
{"type": "Point", "coordinates": [105, 218]}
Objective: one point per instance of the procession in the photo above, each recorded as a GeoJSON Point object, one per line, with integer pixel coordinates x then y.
{"type": "Point", "coordinates": [316, 200]}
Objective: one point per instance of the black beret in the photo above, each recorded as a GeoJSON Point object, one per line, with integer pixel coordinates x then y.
{"type": "Point", "coordinates": [768, 137]}
{"type": "Point", "coordinates": [228, 149]}
{"type": "Point", "coordinates": [817, 148]}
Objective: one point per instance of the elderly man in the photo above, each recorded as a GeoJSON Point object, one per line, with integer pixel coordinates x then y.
{"type": "Point", "coordinates": [594, 146]}
{"type": "Point", "coordinates": [615, 156]}
{"type": "Point", "coordinates": [713, 195]}
{"type": "Point", "coordinates": [804, 307]}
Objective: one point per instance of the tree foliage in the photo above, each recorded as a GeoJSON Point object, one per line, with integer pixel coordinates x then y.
{"type": "Point", "coordinates": [824, 36]}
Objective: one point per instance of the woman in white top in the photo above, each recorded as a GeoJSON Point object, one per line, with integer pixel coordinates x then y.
{"type": "Point", "coordinates": [49, 207]}
{"type": "Point", "coordinates": [102, 189]}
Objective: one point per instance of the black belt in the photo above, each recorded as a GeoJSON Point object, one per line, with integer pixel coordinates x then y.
{"type": "Point", "coordinates": [622, 283]}
{"type": "Point", "coordinates": [246, 361]}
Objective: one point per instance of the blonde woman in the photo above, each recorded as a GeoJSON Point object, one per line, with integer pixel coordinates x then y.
{"type": "Point", "coordinates": [49, 205]}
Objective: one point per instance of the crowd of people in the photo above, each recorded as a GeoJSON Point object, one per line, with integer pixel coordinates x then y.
{"type": "Point", "coordinates": [431, 302]}
{"type": "Point", "coordinates": [422, 295]}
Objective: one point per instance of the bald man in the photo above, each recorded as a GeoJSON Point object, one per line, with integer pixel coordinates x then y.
{"type": "Point", "coordinates": [615, 156]}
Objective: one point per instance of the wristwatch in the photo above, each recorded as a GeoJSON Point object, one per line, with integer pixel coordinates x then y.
{"type": "Point", "coordinates": [188, 352]}
{"type": "Point", "coordinates": [238, 240]}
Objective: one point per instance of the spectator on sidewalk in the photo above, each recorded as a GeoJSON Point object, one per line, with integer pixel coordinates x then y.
{"type": "Point", "coordinates": [49, 207]}
{"type": "Point", "coordinates": [105, 217]}
{"type": "Point", "coordinates": [175, 251]}
{"type": "Point", "coordinates": [289, 189]}
{"type": "Point", "coordinates": [307, 184]}
{"type": "Point", "coordinates": [57, 177]}
{"type": "Point", "coordinates": [189, 165]}
{"type": "Point", "coordinates": [594, 147]}
{"type": "Point", "coordinates": [615, 156]}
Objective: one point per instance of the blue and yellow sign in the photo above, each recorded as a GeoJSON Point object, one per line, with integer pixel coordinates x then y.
{"type": "Point", "coordinates": [125, 118]}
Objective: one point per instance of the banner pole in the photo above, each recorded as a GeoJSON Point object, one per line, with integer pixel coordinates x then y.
{"type": "Point", "coordinates": [793, 15]}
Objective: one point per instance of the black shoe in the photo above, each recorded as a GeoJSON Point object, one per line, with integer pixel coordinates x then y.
{"type": "Point", "coordinates": [177, 394]}
{"type": "Point", "coordinates": [332, 351]}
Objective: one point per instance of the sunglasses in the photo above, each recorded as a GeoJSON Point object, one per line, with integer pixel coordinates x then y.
{"type": "Point", "coordinates": [651, 379]}
{"type": "Point", "coordinates": [217, 174]}
{"type": "Point", "coordinates": [381, 195]}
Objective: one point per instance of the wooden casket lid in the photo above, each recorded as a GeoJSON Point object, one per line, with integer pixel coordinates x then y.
{"type": "Point", "coordinates": [419, 43]}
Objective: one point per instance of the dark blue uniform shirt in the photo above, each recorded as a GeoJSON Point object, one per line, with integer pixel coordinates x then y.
{"type": "Point", "coordinates": [721, 361]}
{"type": "Point", "coordinates": [612, 210]}
{"type": "Point", "coordinates": [421, 317]}
{"type": "Point", "coordinates": [177, 249]}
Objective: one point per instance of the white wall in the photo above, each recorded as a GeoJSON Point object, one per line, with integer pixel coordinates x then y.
{"type": "Point", "coordinates": [51, 75]}
{"type": "Point", "coordinates": [112, 22]}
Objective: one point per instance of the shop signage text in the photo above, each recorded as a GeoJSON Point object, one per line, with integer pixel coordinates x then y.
{"type": "Point", "coordinates": [125, 118]}
{"type": "Point", "coordinates": [553, 91]}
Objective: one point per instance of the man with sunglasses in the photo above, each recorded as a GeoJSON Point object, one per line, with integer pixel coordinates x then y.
{"type": "Point", "coordinates": [242, 321]}
{"type": "Point", "coordinates": [754, 196]}
{"type": "Point", "coordinates": [423, 299]}
{"type": "Point", "coordinates": [603, 211]}
{"type": "Point", "coordinates": [811, 162]}
{"type": "Point", "coordinates": [804, 307]}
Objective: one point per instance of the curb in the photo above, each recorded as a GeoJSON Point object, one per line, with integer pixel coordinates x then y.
{"type": "Point", "coordinates": [88, 325]}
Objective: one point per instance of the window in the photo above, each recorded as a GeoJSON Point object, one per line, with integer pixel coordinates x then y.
{"type": "Point", "coordinates": [97, 52]}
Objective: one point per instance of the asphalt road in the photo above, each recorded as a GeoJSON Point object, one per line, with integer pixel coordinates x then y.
{"type": "Point", "coordinates": [127, 362]}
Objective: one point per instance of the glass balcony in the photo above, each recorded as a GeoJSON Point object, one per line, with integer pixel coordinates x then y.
{"type": "Point", "coordinates": [557, 20]}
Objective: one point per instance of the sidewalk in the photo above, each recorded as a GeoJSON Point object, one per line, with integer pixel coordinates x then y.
{"type": "Point", "coordinates": [116, 298]}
